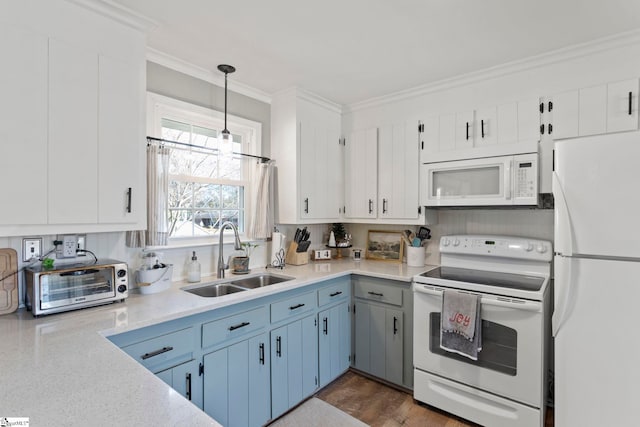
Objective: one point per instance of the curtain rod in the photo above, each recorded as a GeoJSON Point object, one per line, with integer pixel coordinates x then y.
{"type": "Point", "coordinates": [261, 158]}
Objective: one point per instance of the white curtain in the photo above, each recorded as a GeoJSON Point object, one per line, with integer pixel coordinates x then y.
{"type": "Point", "coordinates": [261, 224]}
{"type": "Point", "coordinates": [157, 231]}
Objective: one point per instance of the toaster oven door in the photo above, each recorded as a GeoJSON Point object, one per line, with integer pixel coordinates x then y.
{"type": "Point", "coordinates": [76, 287]}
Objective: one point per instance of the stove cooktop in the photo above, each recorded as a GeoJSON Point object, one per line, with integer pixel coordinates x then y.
{"type": "Point", "coordinates": [488, 278]}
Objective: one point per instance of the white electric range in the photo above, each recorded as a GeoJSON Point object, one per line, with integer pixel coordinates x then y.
{"type": "Point", "coordinates": [507, 385]}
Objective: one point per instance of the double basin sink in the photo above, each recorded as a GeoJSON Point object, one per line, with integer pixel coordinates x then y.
{"type": "Point", "coordinates": [232, 285]}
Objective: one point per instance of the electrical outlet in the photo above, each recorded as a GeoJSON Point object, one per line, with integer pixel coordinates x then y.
{"type": "Point", "coordinates": [31, 248]}
{"type": "Point", "coordinates": [67, 249]}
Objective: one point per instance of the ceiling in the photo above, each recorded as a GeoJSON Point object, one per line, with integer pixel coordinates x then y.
{"type": "Point", "coordinates": [352, 50]}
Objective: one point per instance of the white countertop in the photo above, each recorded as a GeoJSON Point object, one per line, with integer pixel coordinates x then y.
{"type": "Point", "coordinates": [61, 370]}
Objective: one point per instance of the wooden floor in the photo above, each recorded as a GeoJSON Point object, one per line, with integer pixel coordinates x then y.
{"type": "Point", "coordinates": [378, 405]}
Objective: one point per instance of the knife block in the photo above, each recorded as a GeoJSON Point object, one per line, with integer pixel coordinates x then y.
{"type": "Point", "coordinates": [296, 258]}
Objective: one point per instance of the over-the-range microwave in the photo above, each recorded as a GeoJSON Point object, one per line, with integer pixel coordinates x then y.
{"type": "Point", "coordinates": [490, 181]}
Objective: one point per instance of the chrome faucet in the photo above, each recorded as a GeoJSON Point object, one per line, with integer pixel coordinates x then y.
{"type": "Point", "coordinates": [238, 246]}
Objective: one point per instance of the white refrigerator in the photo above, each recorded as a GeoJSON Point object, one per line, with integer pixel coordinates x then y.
{"type": "Point", "coordinates": [596, 318]}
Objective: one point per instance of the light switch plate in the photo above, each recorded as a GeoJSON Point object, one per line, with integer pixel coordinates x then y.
{"type": "Point", "coordinates": [31, 248]}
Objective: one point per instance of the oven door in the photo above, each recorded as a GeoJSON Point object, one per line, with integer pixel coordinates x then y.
{"type": "Point", "coordinates": [73, 287]}
{"type": "Point", "coordinates": [511, 362]}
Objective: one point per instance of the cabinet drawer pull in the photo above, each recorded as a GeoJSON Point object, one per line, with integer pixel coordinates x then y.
{"type": "Point", "coordinates": [370, 206]}
{"type": "Point", "coordinates": [241, 325]}
{"type": "Point", "coordinates": [384, 206]}
{"type": "Point", "coordinates": [395, 325]}
{"type": "Point", "coordinates": [325, 328]}
{"type": "Point", "coordinates": [630, 102]}
{"type": "Point", "coordinates": [293, 307]}
{"type": "Point", "coordinates": [261, 353]}
{"type": "Point", "coordinates": [335, 293]}
{"type": "Point", "coordinates": [155, 353]}
{"type": "Point", "coordinates": [306, 205]}
{"type": "Point", "coordinates": [467, 138]}
{"type": "Point", "coordinates": [279, 346]}
{"type": "Point", "coordinates": [188, 394]}
{"type": "Point", "coordinates": [376, 294]}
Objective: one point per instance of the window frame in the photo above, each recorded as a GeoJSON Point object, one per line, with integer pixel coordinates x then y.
{"type": "Point", "coordinates": [162, 107]}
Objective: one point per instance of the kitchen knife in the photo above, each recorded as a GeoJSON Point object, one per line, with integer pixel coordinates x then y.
{"type": "Point", "coordinates": [303, 246]}
{"type": "Point", "coordinates": [296, 238]}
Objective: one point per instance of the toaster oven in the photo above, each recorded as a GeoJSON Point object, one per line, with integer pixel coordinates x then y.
{"type": "Point", "coordinates": [74, 286]}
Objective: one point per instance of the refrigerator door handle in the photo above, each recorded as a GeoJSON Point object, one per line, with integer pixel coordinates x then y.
{"type": "Point", "coordinates": [566, 300]}
{"type": "Point", "coordinates": [563, 226]}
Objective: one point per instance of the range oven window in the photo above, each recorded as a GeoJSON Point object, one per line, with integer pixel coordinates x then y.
{"type": "Point", "coordinates": [499, 346]}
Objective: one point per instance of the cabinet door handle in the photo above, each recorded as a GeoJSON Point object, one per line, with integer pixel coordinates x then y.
{"type": "Point", "coordinates": [279, 346]}
{"type": "Point", "coordinates": [370, 206]}
{"type": "Point", "coordinates": [395, 325]}
{"type": "Point", "coordinates": [188, 393]}
{"type": "Point", "coordinates": [467, 131]}
{"type": "Point", "coordinates": [129, 191]}
{"type": "Point", "coordinates": [155, 353]}
{"type": "Point", "coordinates": [422, 146]}
{"type": "Point", "coordinates": [376, 294]}
{"type": "Point", "coordinates": [293, 307]}
{"type": "Point", "coordinates": [325, 328]}
{"type": "Point", "coordinates": [335, 294]}
{"type": "Point", "coordinates": [306, 205]}
{"type": "Point", "coordinates": [241, 325]}
{"type": "Point", "coordinates": [630, 102]}
{"type": "Point", "coordinates": [384, 206]}
{"type": "Point", "coordinates": [261, 353]}
{"type": "Point", "coordinates": [482, 127]}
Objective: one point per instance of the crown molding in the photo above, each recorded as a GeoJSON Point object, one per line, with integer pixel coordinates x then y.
{"type": "Point", "coordinates": [548, 58]}
{"type": "Point", "coordinates": [310, 97]}
{"type": "Point", "coordinates": [177, 64]}
{"type": "Point", "coordinates": [120, 13]}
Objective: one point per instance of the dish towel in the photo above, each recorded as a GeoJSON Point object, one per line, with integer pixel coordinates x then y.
{"type": "Point", "coordinates": [460, 324]}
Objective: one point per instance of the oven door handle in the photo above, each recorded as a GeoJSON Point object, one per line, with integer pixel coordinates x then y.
{"type": "Point", "coordinates": [506, 302]}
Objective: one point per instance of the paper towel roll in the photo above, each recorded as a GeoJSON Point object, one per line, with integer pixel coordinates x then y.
{"type": "Point", "coordinates": [277, 243]}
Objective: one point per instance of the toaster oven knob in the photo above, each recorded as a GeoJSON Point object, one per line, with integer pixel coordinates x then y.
{"type": "Point", "coordinates": [529, 247]}
{"type": "Point", "coordinates": [122, 273]}
{"type": "Point", "coordinates": [122, 288]}
{"type": "Point", "coordinates": [541, 248]}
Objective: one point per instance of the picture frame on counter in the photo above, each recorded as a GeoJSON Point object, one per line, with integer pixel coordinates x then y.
{"type": "Point", "coordinates": [384, 246]}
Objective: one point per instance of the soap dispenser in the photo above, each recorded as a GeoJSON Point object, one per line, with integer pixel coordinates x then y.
{"type": "Point", "coordinates": [193, 269]}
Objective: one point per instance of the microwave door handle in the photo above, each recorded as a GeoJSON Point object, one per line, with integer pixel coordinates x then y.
{"type": "Point", "coordinates": [507, 179]}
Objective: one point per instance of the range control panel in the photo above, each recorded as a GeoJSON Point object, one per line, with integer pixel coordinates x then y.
{"type": "Point", "coordinates": [498, 246]}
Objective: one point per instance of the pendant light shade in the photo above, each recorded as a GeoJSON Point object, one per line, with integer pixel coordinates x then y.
{"type": "Point", "coordinates": [225, 135]}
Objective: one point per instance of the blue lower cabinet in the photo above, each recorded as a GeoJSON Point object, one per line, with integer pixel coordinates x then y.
{"type": "Point", "coordinates": [294, 364]}
{"type": "Point", "coordinates": [185, 380]}
{"type": "Point", "coordinates": [334, 337]}
{"type": "Point", "coordinates": [237, 383]}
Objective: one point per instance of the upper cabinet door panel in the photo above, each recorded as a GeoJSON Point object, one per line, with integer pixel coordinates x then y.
{"type": "Point", "coordinates": [23, 126]}
{"type": "Point", "coordinates": [593, 110]}
{"type": "Point", "coordinates": [120, 132]}
{"type": "Point", "coordinates": [565, 113]}
{"type": "Point", "coordinates": [73, 139]}
{"type": "Point", "coordinates": [486, 124]}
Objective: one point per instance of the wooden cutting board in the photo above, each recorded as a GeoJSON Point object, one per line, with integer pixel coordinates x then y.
{"type": "Point", "coordinates": [8, 286]}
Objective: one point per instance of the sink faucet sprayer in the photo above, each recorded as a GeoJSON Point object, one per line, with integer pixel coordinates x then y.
{"type": "Point", "coordinates": [238, 246]}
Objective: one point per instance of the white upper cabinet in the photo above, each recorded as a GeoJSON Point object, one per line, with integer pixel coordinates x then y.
{"type": "Point", "coordinates": [490, 131]}
{"type": "Point", "coordinates": [72, 119]}
{"type": "Point", "coordinates": [382, 177]}
{"type": "Point", "coordinates": [23, 127]}
{"type": "Point", "coordinates": [309, 158]}
{"type": "Point", "coordinates": [605, 108]}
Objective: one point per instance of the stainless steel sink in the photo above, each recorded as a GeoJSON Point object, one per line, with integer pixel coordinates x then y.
{"type": "Point", "coordinates": [253, 282]}
{"type": "Point", "coordinates": [215, 290]}
{"type": "Point", "coordinates": [233, 285]}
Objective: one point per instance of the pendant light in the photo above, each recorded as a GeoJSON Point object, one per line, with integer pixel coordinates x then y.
{"type": "Point", "coordinates": [226, 69]}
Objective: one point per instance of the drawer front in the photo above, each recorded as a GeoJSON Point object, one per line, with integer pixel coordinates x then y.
{"type": "Point", "coordinates": [161, 352]}
{"type": "Point", "coordinates": [337, 292]}
{"type": "Point", "coordinates": [292, 307]}
{"type": "Point", "coordinates": [378, 292]}
{"type": "Point", "coordinates": [227, 328]}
